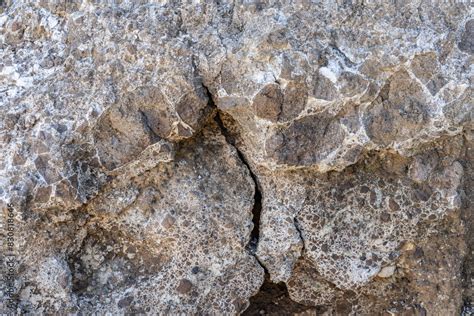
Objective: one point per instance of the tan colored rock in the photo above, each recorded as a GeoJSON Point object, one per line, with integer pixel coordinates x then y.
{"type": "Point", "coordinates": [157, 156]}
{"type": "Point", "coordinates": [386, 272]}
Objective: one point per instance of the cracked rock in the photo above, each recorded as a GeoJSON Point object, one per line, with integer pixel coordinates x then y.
{"type": "Point", "coordinates": [236, 157]}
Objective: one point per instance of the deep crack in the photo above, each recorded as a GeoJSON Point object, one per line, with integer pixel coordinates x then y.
{"type": "Point", "coordinates": [257, 206]}
{"type": "Point", "coordinates": [298, 229]}
{"type": "Point", "coordinates": [272, 298]}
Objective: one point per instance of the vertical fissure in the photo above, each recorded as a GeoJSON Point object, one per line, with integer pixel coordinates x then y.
{"type": "Point", "coordinates": [272, 298]}
{"type": "Point", "coordinates": [257, 205]}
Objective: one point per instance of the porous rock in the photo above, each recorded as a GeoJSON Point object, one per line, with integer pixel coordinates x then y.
{"type": "Point", "coordinates": [172, 157]}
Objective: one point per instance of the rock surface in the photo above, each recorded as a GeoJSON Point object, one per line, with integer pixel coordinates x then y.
{"type": "Point", "coordinates": [200, 157]}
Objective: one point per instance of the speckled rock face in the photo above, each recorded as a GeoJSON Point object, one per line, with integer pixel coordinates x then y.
{"type": "Point", "coordinates": [180, 157]}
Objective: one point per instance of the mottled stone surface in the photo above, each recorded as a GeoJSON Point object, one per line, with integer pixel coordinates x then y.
{"type": "Point", "coordinates": [196, 157]}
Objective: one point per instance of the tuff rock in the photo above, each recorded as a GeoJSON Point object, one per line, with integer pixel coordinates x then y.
{"type": "Point", "coordinates": [255, 157]}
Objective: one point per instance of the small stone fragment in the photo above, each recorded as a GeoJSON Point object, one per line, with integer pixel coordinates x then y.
{"type": "Point", "coordinates": [386, 272]}
{"type": "Point", "coordinates": [184, 286]}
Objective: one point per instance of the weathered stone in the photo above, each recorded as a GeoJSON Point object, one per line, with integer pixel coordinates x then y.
{"type": "Point", "coordinates": [304, 141]}
{"type": "Point", "coordinates": [137, 138]}
{"type": "Point", "coordinates": [269, 102]}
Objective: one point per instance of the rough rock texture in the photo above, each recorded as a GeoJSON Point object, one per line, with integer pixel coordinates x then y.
{"type": "Point", "coordinates": [198, 157]}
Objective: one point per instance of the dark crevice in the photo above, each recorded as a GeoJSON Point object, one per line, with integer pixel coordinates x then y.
{"type": "Point", "coordinates": [257, 206]}
{"type": "Point", "coordinates": [272, 298]}
{"type": "Point", "coordinates": [298, 229]}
